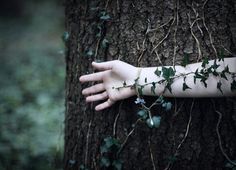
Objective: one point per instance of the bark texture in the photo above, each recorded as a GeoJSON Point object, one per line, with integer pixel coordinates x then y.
{"type": "Point", "coordinates": [149, 33]}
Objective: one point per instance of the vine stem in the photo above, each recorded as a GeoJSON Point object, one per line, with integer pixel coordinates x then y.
{"type": "Point", "coordinates": [219, 138]}
{"type": "Point", "coordinates": [151, 155]}
{"type": "Point", "coordinates": [127, 137]}
{"type": "Point", "coordinates": [116, 119]}
{"type": "Point", "coordinates": [87, 142]}
{"type": "Point", "coordinates": [157, 82]}
{"type": "Point", "coordinates": [194, 36]}
{"type": "Point", "coordinates": [185, 135]}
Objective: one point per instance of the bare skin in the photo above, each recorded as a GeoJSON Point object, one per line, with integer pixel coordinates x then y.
{"type": "Point", "coordinates": [113, 74]}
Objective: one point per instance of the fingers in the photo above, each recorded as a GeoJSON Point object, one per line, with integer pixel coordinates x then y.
{"type": "Point", "coordinates": [94, 89]}
{"type": "Point", "coordinates": [104, 105]}
{"type": "Point", "coordinates": [103, 66]}
{"type": "Point", "coordinates": [97, 97]}
{"type": "Point", "coordinates": [92, 77]}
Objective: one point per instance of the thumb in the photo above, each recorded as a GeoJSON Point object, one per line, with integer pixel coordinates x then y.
{"type": "Point", "coordinates": [103, 65]}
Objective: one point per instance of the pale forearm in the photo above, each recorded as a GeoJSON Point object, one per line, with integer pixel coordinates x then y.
{"type": "Point", "coordinates": [147, 76]}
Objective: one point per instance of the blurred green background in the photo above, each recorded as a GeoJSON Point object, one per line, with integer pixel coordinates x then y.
{"type": "Point", "coordinates": [32, 73]}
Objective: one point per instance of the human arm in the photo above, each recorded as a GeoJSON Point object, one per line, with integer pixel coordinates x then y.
{"type": "Point", "coordinates": [113, 74]}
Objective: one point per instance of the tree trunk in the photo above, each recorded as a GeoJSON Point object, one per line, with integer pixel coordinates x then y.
{"type": "Point", "coordinates": [195, 133]}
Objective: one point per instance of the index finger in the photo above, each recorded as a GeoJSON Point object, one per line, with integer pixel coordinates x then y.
{"type": "Point", "coordinates": [92, 77]}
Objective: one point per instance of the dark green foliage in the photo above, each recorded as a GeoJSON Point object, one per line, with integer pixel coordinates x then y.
{"type": "Point", "coordinates": [109, 151]}
{"type": "Point", "coordinates": [143, 113]}
{"type": "Point", "coordinates": [154, 122]}
{"type": "Point", "coordinates": [185, 86]}
{"type": "Point", "coordinates": [205, 62]}
{"type": "Point", "coordinates": [157, 72]}
{"type": "Point", "coordinates": [168, 73]}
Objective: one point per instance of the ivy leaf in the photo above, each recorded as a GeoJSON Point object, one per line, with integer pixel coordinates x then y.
{"type": "Point", "coordinates": [154, 122]}
{"type": "Point", "coordinates": [124, 84]}
{"type": "Point", "coordinates": [105, 162]}
{"type": "Point", "coordinates": [105, 42]}
{"type": "Point", "coordinates": [65, 36]}
{"type": "Point", "coordinates": [142, 113]}
{"type": "Point", "coordinates": [117, 164]}
{"type": "Point", "coordinates": [233, 85]}
{"type": "Point", "coordinates": [195, 76]}
{"type": "Point", "coordinates": [215, 66]}
{"type": "Point", "coordinates": [157, 72]}
{"type": "Point", "coordinates": [205, 62]}
{"type": "Point", "coordinates": [185, 60]}
{"type": "Point", "coordinates": [223, 75]}
{"type": "Point", "coordinates": [104, 149]}
{"type": "Point", "coordinates": [108, 141]}
{"type": "Point", "coordinates": [168, 106]}
{"type": "Point", "coordinates": [221, 55]}
{"type": "Point", "coordinates": [105, 17]}
{"type": "Point", "coordinates": [215, 73]}
{"type": "Point", "coordinates": [226, 69]}
{"type": "Point", "coordinates": [168, 73]}
{"type": "Point", "coordinates": [89, 53]}
{"type": "Point", "coordinates": [204, 81]}
{"type": "Point", "coordinates": [153, 88]}
{"type": "Point", "coordinates": [72, 162]}
{"type": "Point", "coordinates": [185, 86]}
{"type": "Point", "coordinates": [219, 86]}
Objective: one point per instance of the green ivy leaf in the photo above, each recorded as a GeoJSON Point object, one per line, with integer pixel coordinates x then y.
{"type": "Point", "coordinates": [205, 62]}
{"type": "Point", "coordinates": [226, 69]}
{"type": "Point", "coordinates": [117, 164]}
{"type": "Point", "coordinates": [185, 86]}
{"type": "Point", "coordinates": [215, 66]}
{"type": "Point", "coordinates": [221, 55]}
{"type": "Point", "coordinates": [142, 113]}
{"type": "Point", "coordinates": [195, 76]}
{"type": "Point", "coordinates": [108, 141]}
{"type": "Point", "coordinates": [105, 17]}
{"type": "Point", "coordinates": [124, 84]}
{"type": "Point", "coordinates": [215, 73]}
{"type": "Point", "coordinates": [185, 60]}
{"type": "Point", "coordinates": [105, 162]}
{"type": "Point", "coordinates": [89, 53]}
{"type": "Point", "coordinates": [105, 43]}
{"type": "Point", "coordinates": [223, 75]}
{"type": "Point", "coordinates": [154, 122]}
{"type": "Point", "coordinates": [153, 88]}
{"type": "Point", "coordinates": [219, 86]}
{"type": "Point", "coordinates": [204, 81]}
{"type": "Point", "coordinates": [168, 73]}
{"type": "Point", "coordinates": [104, 149]}
{"type": "Point", "coordinates": [157, 72]}
{"type": "Point", "coordinates": [168, 106]}
{"type": "Point", "coordinates": [233, 85]}
{"type": "Point", "coordinates": [65, 36]}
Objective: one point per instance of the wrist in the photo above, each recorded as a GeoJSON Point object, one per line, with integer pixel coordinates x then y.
{"type": "Point", "coordinates": [147, 78]}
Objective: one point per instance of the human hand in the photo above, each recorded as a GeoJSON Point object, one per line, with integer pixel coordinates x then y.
{"type": "Point", "coordinates": [112, 74]}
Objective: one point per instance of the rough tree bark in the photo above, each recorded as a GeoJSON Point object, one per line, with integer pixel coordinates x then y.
{"type": "Point", "coordinates": [149, 33]}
